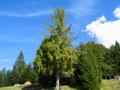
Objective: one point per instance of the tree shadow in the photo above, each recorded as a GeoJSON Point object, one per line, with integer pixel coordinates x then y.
{"type": "Point", "coordinates": [35, 87]}
{"type": "Point", "coordinates": [32, 87]}
{"type": "Point", "coordinates": [39, 87]}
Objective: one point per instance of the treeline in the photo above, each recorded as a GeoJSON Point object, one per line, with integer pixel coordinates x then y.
{"type": "Point", "coordinates": [93, 60]}
{"type": "Point", "coordinates": [93, 63]}
{"type": "Point", "coordinates": [58, 62]}
{"type": "Point", "coordinates": [20, 73]}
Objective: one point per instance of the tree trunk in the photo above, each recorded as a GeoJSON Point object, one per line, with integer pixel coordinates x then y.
{"type": "Point", "coordinates": [57, 81]}
{"type": "Point", "coordinates": [110, 77]}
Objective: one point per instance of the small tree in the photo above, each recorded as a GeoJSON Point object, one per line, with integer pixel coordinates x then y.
{"type": "Point", "coordinates": [56, 54]}
{"type": "Point", "coordinates": [29, 74]}
{"type": "Point", "coordinates": [9, 78]}
{"type": "Point", "coordinates": [18, 69]}
{"type": "Point", "coordinates": [3, 78]}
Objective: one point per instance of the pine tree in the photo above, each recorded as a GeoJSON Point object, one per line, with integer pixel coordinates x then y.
{"type": "Point", "coordinates": [56, 54]}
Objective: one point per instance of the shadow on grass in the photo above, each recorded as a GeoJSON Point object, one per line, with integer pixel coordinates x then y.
{"type": "Point", "coordinates": [35, 87]}
{"type": "Point", "coordinates": [38, 87]}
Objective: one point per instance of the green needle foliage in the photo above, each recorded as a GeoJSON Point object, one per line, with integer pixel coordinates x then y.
{"type": "Point", "coordinates": [18, 69]}
{"type": "Point", "coordinates": [56, 54]}
{"type": "Point", "coordinates": [87, 72]}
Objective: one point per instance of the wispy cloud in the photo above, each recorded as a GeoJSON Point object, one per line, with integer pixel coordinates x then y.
{"type": "Point", "coordinates": [78, 8]}
{"type": "Point", "coordinates": [17, 39]}
{"type": "Point", "coordinates": [82, 8]}
{"type": "Point", "coordinates": [28, 14]}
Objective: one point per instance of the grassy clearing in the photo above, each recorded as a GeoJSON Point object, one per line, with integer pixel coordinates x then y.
{"type": "Point", "coordinates": [106, 85]}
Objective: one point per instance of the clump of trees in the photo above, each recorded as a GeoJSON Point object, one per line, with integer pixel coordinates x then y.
{"type": "Point", "coordinates": [58, 62]}
{"type": "Point", "coordinates": [20, 73]}
{"type": "Point", "coordinates": [56, 57]}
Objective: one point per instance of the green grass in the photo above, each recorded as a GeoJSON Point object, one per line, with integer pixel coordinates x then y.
{"type": "Point", "coordinates": [67, 88]}
{"type": "Point", "coordinates": [18, 87]}
{"type": "Point", "coordinates": [110, 85]}
{"type": "Point", "coordinates": [34, 87]}
{"type": "Point", "coordinates": [106, 85]}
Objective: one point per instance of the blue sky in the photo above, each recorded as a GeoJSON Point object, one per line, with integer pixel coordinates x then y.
{"type": "Point", "coordinates": [23, 24]}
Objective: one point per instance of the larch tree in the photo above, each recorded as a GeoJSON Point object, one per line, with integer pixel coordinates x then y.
{"type": "Point", "coordinates": [56, 54]}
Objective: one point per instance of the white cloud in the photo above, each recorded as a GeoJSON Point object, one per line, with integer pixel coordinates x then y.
{"type": "Point", "coordinates": [106, 32]}
{"type": "Point", "coordinates": [30, 14]}
{"type": "Point", "coordinates": [117, 12]}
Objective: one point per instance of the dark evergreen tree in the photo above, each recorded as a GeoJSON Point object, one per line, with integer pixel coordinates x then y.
{"type": "Point", "coordinates": [3, 77]}
{"type": "Point", "coordinates": [9, 78]}
{"type": "Point", "coordinates": [115, 58]}
{"type": "Point", "coordinates": [87, 73]}
{"type": "Point", "coordinates": [18, 69]}
{"type": "Point", "coordinates": [29, 74]}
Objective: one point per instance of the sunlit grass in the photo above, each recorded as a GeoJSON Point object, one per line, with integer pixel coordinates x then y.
{"type": "Point", "coordinates": [110, 85]}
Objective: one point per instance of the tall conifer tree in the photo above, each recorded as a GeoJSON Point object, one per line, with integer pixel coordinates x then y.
{"type": "Point", "coordinates": [56, 54]}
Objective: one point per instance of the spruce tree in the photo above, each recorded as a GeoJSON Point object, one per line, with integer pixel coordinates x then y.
{"type": "Point", "coordinates": [18, 69]}
{"type": "Point", "coordinates": [115, 57]}
{"type": "Point", "coordinates": [87, 73]}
